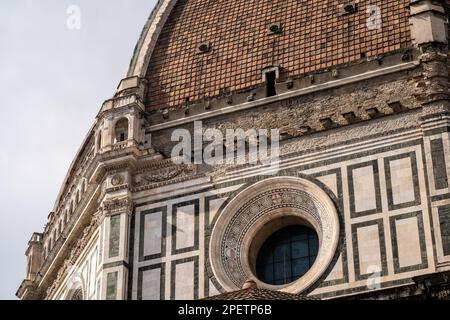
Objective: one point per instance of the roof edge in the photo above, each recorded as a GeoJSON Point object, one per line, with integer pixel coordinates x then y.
{"type": "Point", "coordinates": [72, 167]}
{"type": "Point", "coordinates": [149, 36]}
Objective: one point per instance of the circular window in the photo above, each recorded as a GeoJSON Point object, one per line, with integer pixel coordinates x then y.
{"type": "Point", "coordinates": [287, 255]}
{"type": "Point", "coordinates": [281, 232]}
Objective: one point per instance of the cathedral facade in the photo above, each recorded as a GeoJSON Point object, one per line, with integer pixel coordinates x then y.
{"type": "Point", "coordinates": [354, 96]}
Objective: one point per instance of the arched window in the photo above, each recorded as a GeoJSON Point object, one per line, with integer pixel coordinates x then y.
{"type": "Point", "coordinates": [121, 130]}
{"type": "Point", "coordinates": [287, 255]}
{"type": "Point", "coordinates": [78, 196]}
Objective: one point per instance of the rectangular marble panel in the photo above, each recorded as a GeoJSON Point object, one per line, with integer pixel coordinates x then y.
{"type": "Point", "coordinates": [185, 227]}
{"type": "Point", "coordinates": [444, 223]}
{"type": "Point", "coordinates": [402, 183]}
{"type": "Point", "coordinates": [408, 242]}
{"type": "Point", "coordinates": [364, 189]}
{"type": "Point", "coordinates": [152, 233]}
{"type": "Point", "coordinates": [114, 236]}
{"type": "Point", "coordinates": [93, 272]}
{"type": "Point", "coordinates": [369, 251]}
{"type": "Point", "coordinates": [439, 165]}
{"type": "Point", "coordinates": [111, 285]}
{"type": "Point", "coordinates": [184, 281]}
{"type": "Point", "coordinates": [151, 284]}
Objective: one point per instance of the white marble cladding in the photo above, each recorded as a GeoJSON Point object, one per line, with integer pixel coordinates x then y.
{"type": "Point", "coordinates": [369, 253]}
{"type": "Point", "coordinates": [408, 242]}
{"type": "Point", "coordinates": [331, 181]}
{"type": "Point", "coordinates": [169, 240]}
{"type": "Point", "coordinates": [402, 181]}
{"type": "Point", "coordinates": [437, 151]}
{"type": "Point", "coordinates": [442, 139]}
{"type": "Point", "coordinates": [85, 274]}
{"type": "Point", "coordinates": [152, 233]}
{"type": "Point", "coordinates": [337, 273]}
{"type": "Point", "coordinates": [184, 280]}
{"type": "Point", "coordinates": [387, 237]}
{"type": "Point", "coordinates": [214, 206]}
{"type": "Point", "coordinates": [151, 284]}
{"type": "Point", "coordinates": [364, 189]}
{"type": "Point", "coordinates": [185, 227]}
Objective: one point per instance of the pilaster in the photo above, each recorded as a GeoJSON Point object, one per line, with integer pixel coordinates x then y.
{"type": "Point", "coordinates": [117, 208]}
{"type": "Point", "coordinates": [429, 28]}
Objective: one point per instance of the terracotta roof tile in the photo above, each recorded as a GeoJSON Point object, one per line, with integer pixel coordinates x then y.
{"type": "Point", "coordinates": [258, 294]}
{"type": "Point", "coordinates": [250, 291]}
{"type": "Point", "coordinates": [315, 36]}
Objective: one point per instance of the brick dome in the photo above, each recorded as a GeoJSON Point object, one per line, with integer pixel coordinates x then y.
{"type": "Point", "coordinates": [241, 38]}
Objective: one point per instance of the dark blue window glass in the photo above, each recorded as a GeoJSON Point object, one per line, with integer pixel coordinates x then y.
{"type": "Point", "coordinates": [287, 255]}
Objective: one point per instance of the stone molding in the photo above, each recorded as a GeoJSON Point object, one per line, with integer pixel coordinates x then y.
{"type": "Point", "coordinates": [117, 206]}
{"type": "Point", "coordinates": [287, 95]}
{"type": "Point", "coordinates": [165, 174]}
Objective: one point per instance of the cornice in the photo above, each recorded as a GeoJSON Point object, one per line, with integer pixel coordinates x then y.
{"type": "Point", "coordinates": [287, 95]}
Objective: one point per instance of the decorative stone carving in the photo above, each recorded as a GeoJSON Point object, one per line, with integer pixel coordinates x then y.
{"type": "Point", "coordinates": [308, 110]}
{"type": "Point", "coordinates": [268, 205]}
{"type": "Point", "coordinates": [117, 205]}
{"type": "Point", "coordinates": [164, 174]}
{"type": "Point", "coordinates": [117, 180]}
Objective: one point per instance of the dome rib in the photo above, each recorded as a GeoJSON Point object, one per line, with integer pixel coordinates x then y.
{"type": "Point", "coordinates": [149, 36]}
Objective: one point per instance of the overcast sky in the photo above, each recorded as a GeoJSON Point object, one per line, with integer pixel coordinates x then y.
{"type": "Point", "coordinates": [53, 81]}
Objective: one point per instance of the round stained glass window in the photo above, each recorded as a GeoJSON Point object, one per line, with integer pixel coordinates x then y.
{"type": "Point", "coordinates": [287, 255]}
